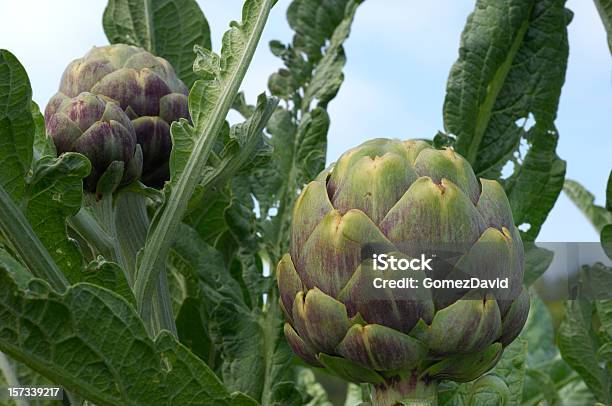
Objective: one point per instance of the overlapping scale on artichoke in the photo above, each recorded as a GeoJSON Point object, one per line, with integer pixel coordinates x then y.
{"type": "Point", "coordinates": [98, 128]}
{"type": "Point", "coordinates": [403, 197]}
{"type": "Point", "coordinates": [147, 89]}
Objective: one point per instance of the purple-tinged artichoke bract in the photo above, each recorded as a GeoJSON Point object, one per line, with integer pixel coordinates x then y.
{"type": "Point", "coordinates": [411, 201]}
{"type": "Point", "coordinates": [98, 128]}
{"type": "Point", "coordinates": [147, 89]}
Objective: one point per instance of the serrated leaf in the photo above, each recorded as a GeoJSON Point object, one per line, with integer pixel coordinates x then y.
{"type": "Point", "coordinates": [311, 144]}
{"type": "Point", "coordinates": [585, 201]}
{"type": "Point", "coordinates": [328, 77]}
{"type": "Point", "coordinates": [91, 341]}
{"type": "Point", "coordinates": [536, 184]}
{"type": "Point", "coordinates": [605, 12]}
{"type": "Point", "coordinates": [167, 28]}
{"type": "Point", "coordinates": [511, 64]}
{"type": "Point", "coordinates": [314, 22]}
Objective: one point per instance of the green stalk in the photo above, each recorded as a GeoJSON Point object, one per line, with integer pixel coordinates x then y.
{"type": "Point", "coordinates": [90, 230]}
{"type": "Point", "coordinates": [18, 232]}
{"type": "Point", "coordinates": [164, 232]}
{"type": "Point", "coordinates": [410, 391]}
{"type": "Point", "coordinates": [131, 227]}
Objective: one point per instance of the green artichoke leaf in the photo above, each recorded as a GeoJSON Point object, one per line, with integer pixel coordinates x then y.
{"type": "Point", "coordinates": [209, 102]}
{"type": "Point", "coordinates": [605, 12]}
{"type": "Point", "coordinates": [502, 88]}
{"type": "Point", "coordinates": [112, 346]}
{"type": "Point", "coordinates": [489, 390]}
{"type": "Point", "coordinates": [43, 144]}
{"type": "Point", "coordinates": [314, 391]}
{"type": "Point", "coordinates": [253, 355]}
{"type": "Point", "coordinates": [464, 368]}
{"type": "Point", "coordinates": [578, 342]}
{"type": "Point", "coordinates": [490, 120]}
{"type": "Point", "coordinates": [167, 28]}
{"type": "Point", "coordinates": [598, 216]}
{"type": "Point", "coordinates": [537, 261]}
{"type": "Point", "coordinates": [18, 125]}
{"type": "Point", "coordinates": [349, 370]}
{"type": "Point", "coordinates": [511, 368]}
{"type": "Point", "coordinates": [42, 193]}
{"type": "Point", "coordinates": [108, 275]}
{"type": "Point", "coordinates": [535, 186]}
{"type": "Point", "coordinates": [327, 76]}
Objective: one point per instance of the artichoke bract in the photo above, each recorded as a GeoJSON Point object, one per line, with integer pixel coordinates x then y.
{"type": "Point", "coordinates": [98, 128]}
{"type": "Point", "coordinates": [425, 208]}
{"type": "Point", "coordinates": [147, 89]}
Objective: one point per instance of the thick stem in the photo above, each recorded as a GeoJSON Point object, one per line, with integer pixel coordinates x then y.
{"type": "Point", "coordinates": [131, 227]}
{"type": "Point", "coordinates": [409, 391]}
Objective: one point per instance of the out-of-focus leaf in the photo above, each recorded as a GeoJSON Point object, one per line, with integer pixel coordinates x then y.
{"type": "Point", "coordinates": [537, 261]}
{"type": "Point", "coordinates": [585, 201]}
{"type": "Point", "coordinates": [489, 390]}
{"type": "Point", "coordinates": [314, 391]}
{"type": "Point", "coordinates": [92, 342]}
{"type": "Point", "coordinates": [191, 324]}
{"type": "Point", "coordinates": [511, 367]}
{"type": "Point", "coordinates": [167, 28]}
{"type": "Point", "coordinates": [578, 341]}
{"type": "Point", "coordinates": [605, 11]}
{"type": "Point", "coordinates": [255, 357]}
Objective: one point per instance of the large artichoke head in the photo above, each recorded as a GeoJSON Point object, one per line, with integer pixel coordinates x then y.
{"type": "Point", "coordinates": [98, 128]}
{"type": "Point", "coordinates": [147, 89]}
{"type": "Point", "coordinates": [411, 201]}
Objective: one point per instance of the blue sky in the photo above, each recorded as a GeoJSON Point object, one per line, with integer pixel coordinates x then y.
{"type": "Point", "coordinates": [399, 55]}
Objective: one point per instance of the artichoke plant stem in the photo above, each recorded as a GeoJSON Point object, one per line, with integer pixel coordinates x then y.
{"type": "Point", "coordinates": [131, 227]}
{"type": "Point", "coordinates": [126, 224]}
{"type": "Point", "coordinates": [410, 391]}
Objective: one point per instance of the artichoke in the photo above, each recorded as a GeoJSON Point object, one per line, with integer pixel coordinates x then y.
{"type": "Point", "coordinates": [147, 89]}
{"type": "Point", "coordinates": [410, 200]}
{"type": "Point", "coordinates": [98, 128]}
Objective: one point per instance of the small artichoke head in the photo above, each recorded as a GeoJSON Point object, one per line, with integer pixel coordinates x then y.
{"type": "Point", "coordinates": [145, 86]}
